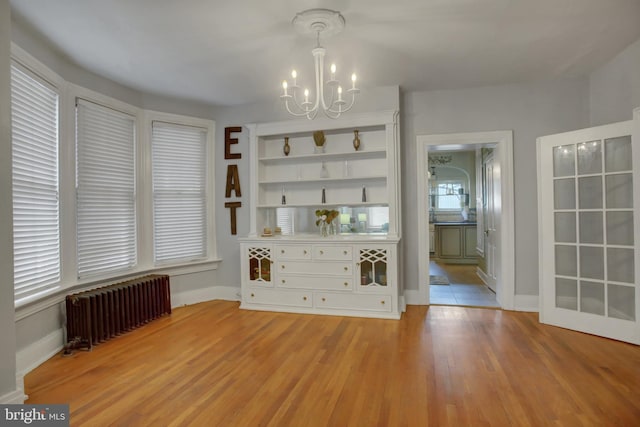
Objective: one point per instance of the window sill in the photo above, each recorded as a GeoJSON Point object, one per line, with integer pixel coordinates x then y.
{"type": "Point", "coordinates": [59, 294]}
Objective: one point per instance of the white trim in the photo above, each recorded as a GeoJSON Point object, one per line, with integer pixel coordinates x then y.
{"type": "Point", "coordinates": [412, 297]}
{"type": "Point", "coordinates": [28, 61]}
{"type": "Point", "coordinates": [503, 141]}
{"type": "Point", "coordinates": [225, 293]}
{"type": "Point", "coordinates": [527, 303]}
{"type": "Point", "coordinates": [483, 276]}
{"type": "Point", "coordinates": [16, 397]}
{"type": "Point", "coordinates": [345, 122]}
{"type": "Point", "coordinates": [39, 352]}
{"type": "Point", "coordinates": [403, 304]}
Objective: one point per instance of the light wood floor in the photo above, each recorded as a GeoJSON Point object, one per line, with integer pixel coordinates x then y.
{"type": "Point", "coordinates": [212, 364]}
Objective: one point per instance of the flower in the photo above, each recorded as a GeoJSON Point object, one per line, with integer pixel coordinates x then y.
{"type": "Point", "coordinates": [326, 216]}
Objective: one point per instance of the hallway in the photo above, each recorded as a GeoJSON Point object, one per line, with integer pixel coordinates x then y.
{"type": "Point", "coordinates": [465, 287]}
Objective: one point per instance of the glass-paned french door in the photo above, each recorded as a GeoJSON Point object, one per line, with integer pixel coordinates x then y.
{"type": "Point", "coordinates": [587, 189]}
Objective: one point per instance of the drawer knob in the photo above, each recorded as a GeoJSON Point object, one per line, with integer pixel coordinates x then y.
{"type": "Point", "coordinates": [346, 269]}
{"type": "Point", "coordinates": [271, 261]}
{"type": "Point", "coordinates": [357, 263]}
{"type": "Point", "coordinates": [345, 252]}
{"type": "Point", "coordinates": [304, 298]}
{"type": "Point", "coordinates": [305, 251]}
{"type": "Point", "coordinates": [346, 283]}
{"type": "Point", "coordinates": [284, 281]}
{"type": "Point", "coordinates": [382, 302]}
{"type": "Point", "coordinates": [282, 251]}
{"type": "Point", "coordinates": [324, 299]}
{"type": "Point", "coordinates": [252, 295]}
{"type": "Point", "coordinates": [321, 252]}
{"type": "Point", "coordinates": [282, 266]}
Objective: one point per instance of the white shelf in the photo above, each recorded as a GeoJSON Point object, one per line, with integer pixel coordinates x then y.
{"type": "Point", "coordinates": [349, 155]}
{"type": "Point", "coordinates": [322, 180]}
{"type": "Point", "coordinates": [321, 205]}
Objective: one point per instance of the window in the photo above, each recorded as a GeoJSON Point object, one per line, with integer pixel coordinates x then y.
{"type": "Point", "coordinates": [285, 219]}
{"type": "Point", "coordinates": [179, 175]}
{"type": "Point", "coordinates": [36, 221]}
{"type": "Point", "coordinates": [449, 195]}
{"type": "Point", "coordinates": [105, 189]}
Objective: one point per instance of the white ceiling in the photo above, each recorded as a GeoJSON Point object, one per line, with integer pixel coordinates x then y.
{"type": "Point", "coordinates": [238, 51]}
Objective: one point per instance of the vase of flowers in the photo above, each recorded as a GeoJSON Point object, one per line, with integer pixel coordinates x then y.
{"type": "Point", "coordinates": [324, 220]}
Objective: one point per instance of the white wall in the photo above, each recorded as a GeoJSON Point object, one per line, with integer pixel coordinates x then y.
{"type": "Point", "coordinates": [8, 346]}
{"type": "Point", "coordinates": [615, 88]}
{"type": "Point", "coordinates": [530, 110]}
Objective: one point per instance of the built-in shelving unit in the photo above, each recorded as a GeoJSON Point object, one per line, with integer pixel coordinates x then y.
{"type": "Point", "coordinates": [351, 273]}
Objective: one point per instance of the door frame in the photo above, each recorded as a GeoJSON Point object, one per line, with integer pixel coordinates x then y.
{"type": "Point", "coordinates": [503, 143]}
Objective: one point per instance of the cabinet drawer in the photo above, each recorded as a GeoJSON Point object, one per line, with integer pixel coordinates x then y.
{"type": "Point", "coordinates": [278, 297]}
{"type": "Point", "coordinates": [332, 253]}
{"type": "Point", "coordinates": [315, 282]}
{"type": "Point", "coordinates": [310, 267]}
{"type": "Point", "coordinates": [353, 301]}
{"type": "Point", "coordinates": [292, 252]}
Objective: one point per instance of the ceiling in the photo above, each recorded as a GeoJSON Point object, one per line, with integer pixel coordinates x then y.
{"type": "Point", "coordinates": [238, 52]}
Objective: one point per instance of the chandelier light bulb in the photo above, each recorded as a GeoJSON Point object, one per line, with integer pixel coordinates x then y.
{"type": "Point", "coordinates": [306, 95]}
{"type": "Point", "coordinates": [353, 81]}
{"type": "Point", "coordinates": [284, 86]}
{"type": "Point", "coordinates": [333, 71]}
{"type": "Point", "coordinates": [339, 93]}
{"type": "Point", "coordinates": [294, 74]}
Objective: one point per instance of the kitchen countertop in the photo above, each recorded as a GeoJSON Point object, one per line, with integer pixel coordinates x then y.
{"type": "Point", "coordinates": [454, 223]}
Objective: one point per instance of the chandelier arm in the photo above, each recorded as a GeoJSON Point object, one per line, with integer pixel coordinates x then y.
{"type": "Point", "coordinates": [344, 110]}
{"type": "Point", "coordinates": [294, 113]}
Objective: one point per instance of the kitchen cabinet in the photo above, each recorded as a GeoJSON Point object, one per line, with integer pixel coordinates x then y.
{"type": "Point", "coordinates": [456, 243]}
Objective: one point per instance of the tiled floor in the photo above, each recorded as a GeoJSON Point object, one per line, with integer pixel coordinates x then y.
{"type": "Point", "coordinates": [471, 292]}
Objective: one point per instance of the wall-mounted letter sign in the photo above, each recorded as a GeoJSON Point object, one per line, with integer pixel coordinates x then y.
{"type": "Point", "coordinates": [233, 176]}
{"type": "Point", "coordinates": [228, 141]}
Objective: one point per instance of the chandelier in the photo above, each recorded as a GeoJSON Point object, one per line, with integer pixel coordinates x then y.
{"type": "Point", "coordinates": [440, 159]}
{"type": "Point", "coordinates": [334, 102]}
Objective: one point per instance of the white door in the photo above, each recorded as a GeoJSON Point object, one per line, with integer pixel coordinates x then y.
{"type": "Point", "coordinates": [588, 231]}
{"type": "Point", "coordinates": [492, 190]}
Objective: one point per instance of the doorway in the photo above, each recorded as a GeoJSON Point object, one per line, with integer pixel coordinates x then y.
{"type": "Point", "coordinates": [501, 232]}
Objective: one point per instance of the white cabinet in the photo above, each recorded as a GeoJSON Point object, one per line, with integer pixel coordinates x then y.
{"type": "Point", "coordinates": [352, 273]}
{"type": "Point", "coordinates": [343, 278]}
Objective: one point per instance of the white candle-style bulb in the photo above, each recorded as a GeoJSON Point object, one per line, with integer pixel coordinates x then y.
{"type": "Point", "coordinates": [333, 71]}
{"type": "Point", "coordinates": [339, 93]}
{"type": "Point", "coordinates": [294, 75]}
{"type": "Point", "coordinates": [353, 80]}
{"type": "Point", "coordinates": [306, 95]}
{"type": "Point", "coordinates": [284, 86]}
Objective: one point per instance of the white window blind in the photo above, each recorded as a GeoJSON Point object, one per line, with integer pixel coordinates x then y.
{"type": "Point", "coordinates": [179, 192]}
{"type": "Point", "coordinates": [36, 223]}
{"type": "Point", "coordinates": [285, 218]}
{"type": "Point", "coordinates": [105, 181]}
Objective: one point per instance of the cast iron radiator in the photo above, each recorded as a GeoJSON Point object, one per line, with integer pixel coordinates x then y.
{"type": "Point", "coordinates": [100, 314]}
